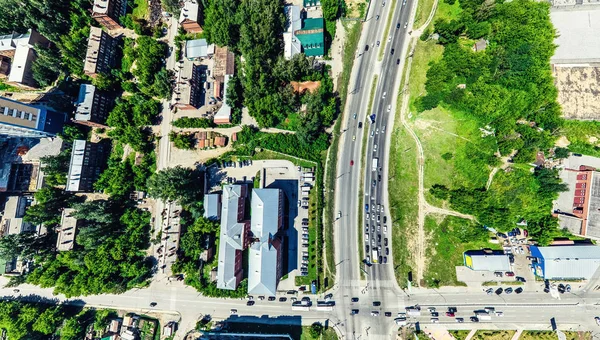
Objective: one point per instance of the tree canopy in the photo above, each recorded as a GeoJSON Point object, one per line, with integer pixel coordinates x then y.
{"type": "Point", "coordinates": [175, 184]}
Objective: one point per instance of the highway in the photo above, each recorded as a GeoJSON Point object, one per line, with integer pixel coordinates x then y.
{"type": "Point", "coordinates": [380, 284]}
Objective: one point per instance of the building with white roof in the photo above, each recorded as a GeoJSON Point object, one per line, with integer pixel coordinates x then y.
{"type": "Point", "coordinates": [196, 49]}
{"type": "Point", "coordinates": [88, 160]}
{"type": "Point", "coordinates": [567, 262]}
{"type": "Point", "coordinates": [12, 222]}
{"type": "Point", "coordinates": [292, 45]}
{"type": "Point", "coordinates": [212, 206]}
{"type": "Point", "coordinates": [93, 106]}
{"type": "Point", "coordinates": [65, 239]}
{"type": "Point", "coordinates": [265, 256]}
{"type": "Point", "coordinates": [189, 18]}
{"type": "Point", "coordinates": [233, 236]}
{"type": "Point", "coordinates": [17, 55]}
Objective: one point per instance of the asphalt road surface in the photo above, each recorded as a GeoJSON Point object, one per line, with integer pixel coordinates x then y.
{"type": "Point", "coordinates": [380, 284]}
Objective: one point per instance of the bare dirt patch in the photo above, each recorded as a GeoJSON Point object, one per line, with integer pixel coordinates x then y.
{"type": "Point", "coordinates": [578, 91]}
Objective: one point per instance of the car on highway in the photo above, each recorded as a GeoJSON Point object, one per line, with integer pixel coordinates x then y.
{"type": "Point", "coordinates": [354, 138]}
{"type": "Point", "coordinates": [398, 61]}
{"type": "Point", "coordinates": [431, 309]}
{"type": "Point", "coordinates": [435, 320]}
{"type": "Point", "coordinates": [378, 42]}
{"type": "Point", "coordinates": [339, 214]}
{"type": "Point", "coordinates": [367, 237]}
{"type": "Point", "coordinates": [360, 125]}
{"type": "Point", "coordinates": [568, 288]}
{"type": "Point", "coordinates": [367, 216]}
{"type": "Point", "coordinates": [385, 241]}
{"type": "Point", "coordinates": [367, 247]}
{"type": "Point", "coordinates": [366, 48]}
{"type": "Point", "coordinates": [272, 298]}
{"type": "Point", "coordinates": [376, 303]}
{"type": "Point", "coordinates": [153, 304]}
{"type": "Point", "coordinates": [354, 115]}
{"type": "Point", "coordinates": [381, 259]}
{"type": "Point", "coordinates": [509, 274]}
{"type": "Point", "coordinates": [435, 314]}
{"type": "Point", "coordinates": [392, 51]}
{"type": "Point", "coordinates": [384, 259]}
{"type": "Point", "coordinates": [366, 207]}
{"type": "Point", "coordinates": [250, 303]}
{"type": "Point", "coordinates": [450, 314]}
{"type": "Point", "coordinates": [490, 291]}
{"type": "Point", "coordinates": [597, 320]}
{"type": "Point", "coordinates": [397, 25]}
{"type": "Point", "coordinates": [474, 319]}
{"type": "Point", "coordinates": [384, 219]}
{"type": "Point", "coordinates": [354, 299]}
{"type": "Point", "coordinates": [372, 133]}
{"type": "Point", "coordinates": [460, 320]}
{"type": "Point", "coordinates": [374, 183]}
{"type": "Point", "coordinates": [498, 313]}
{"type": "Point", "coordinates": [405, 25]}
{"type": "Point", "coordinates": [520, 279]}
{"type": "Point", "coordinates": [387, 251]}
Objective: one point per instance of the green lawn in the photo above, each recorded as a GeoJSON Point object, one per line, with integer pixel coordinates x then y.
{"type": "Point", "coordinates": [328, 334]}
{"type": "Point", "coordinates": [140, 10]}
{"type": "Point", "coordinates": [493, 335]}
{"type": "Point", "coordinates": [459, 334]}
{"type": "Point", "coordinates": [448, 239]}
{"type": "Point", "coordinates": [549, 335]}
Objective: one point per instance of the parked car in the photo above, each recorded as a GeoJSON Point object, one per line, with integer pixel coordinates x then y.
{"type": "Point", "coordinates": [510, 274]}
{"type": "Point", "coordinates": [520, 279]}
{"type": "Point", "coordinates": [250, 303]}
{"type": "Point", "coordinates": [519, 290]}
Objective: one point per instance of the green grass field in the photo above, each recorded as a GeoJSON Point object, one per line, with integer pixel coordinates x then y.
{"type": "Point", "coordinates": [140, 10]}
{"type": "Point", "coordinates": [328, 334]}
{"type": "Point", "coordinates": [448, 239]}
{"type": "Point", "coordinates": [459, 334]}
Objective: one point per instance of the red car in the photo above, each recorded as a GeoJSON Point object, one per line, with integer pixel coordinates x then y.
{"type": "Point", "coordinates": [509, 274]}
{"type": "Point", "coordinates": [450, 314]}
{"type": "Point", "coordinates": [351, 162]}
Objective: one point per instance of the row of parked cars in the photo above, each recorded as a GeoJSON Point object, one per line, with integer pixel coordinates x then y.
{"type": "Point", "coordinates": [305, 260]}
{"type": "Point", "coordinates": [232, 164]}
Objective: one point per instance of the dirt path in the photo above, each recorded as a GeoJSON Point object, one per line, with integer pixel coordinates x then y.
{"type": "Point", "coordinates": [424, 207]}
{"type": "Point", "coordinates": [490, 178]}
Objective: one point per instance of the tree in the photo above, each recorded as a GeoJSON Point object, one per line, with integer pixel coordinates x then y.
{"type": "Point", "coordinates": [316, 329]}
{"type": "Point", "coordinates": [71, 329]}
{"type": "Point", "coordinates": [56, 168]}
{"type": "Point", "coordinates": [439, 191]}
{"type": "Point", "coordinates": [174, 184]}
{"type": "Point", "coordinates": [221, 22]}
{"type": "Point", "coordinates": [45, 68]}
{"type": "Point", "coordinates": [184, 141]}
{"type": "Point", "coordinates": [48, 321]}
{"type": "Point", "coordinates": [71, 133]}
{"type": "Point", "coordinates": [561, 153]}
{"type": "Point", "coordinates": [331, 9]}
{"type": "Point", "coordinates": [171, 6]}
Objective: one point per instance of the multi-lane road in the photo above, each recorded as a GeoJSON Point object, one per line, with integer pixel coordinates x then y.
{"type": "Point", "coordinates": [379, 283]}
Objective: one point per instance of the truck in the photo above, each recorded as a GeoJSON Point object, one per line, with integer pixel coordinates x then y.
{"type": "Point", "coordinates": [375, 162]}
{"type": "Point", "coordinates": [375, 255]}
{"type": "Point", "coordinates": [484, 317]}
{"type": "Point", "coordinates": [412, 311]}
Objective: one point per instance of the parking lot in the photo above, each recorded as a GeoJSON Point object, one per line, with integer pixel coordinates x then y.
{"type": "Point", "coordinates": [290, 179]}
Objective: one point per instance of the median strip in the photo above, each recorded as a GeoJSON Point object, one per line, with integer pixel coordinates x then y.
{"type": "Point", "coordinates": [387, 31]}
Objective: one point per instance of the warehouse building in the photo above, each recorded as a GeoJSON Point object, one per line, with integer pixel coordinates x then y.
{"type": "Point", "coordinates": [568, 262]}
{"type": "Point", "coordinates": [487, 260]}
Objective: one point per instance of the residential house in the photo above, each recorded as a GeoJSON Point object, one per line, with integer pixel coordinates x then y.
{"type": "Point", "coordinates": [28, 121]}
{"type": "Point", "coordinates": [223, 115]}
{"type": "Point", "coordinates": [93, 106]}
{"type": "Point", "coordinates": [233, 236]}
{"type": "Point", "coordinates": [189, 18]}
{"type": "Point", "coordinates": [100, 56]}
{"type": "Point", "coordinates": [189, 88]}
{"type": "Point", "coordinates": [17, 55]}
{"type": "Point", "coordinates": [88, 160]}
{"type": "Point", "coordinates": [108, 12]}
{"type": "Point", "coordinates": [265, 256]}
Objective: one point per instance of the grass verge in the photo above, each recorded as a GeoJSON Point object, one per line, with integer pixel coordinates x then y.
{"type": "Point", "coordinates": [422, 13]}
{"type": "Point", "coordinates": [548, 335]}
{"type": "Point", "coordinates": [493, 335]}
{"type": "Point", "coordinates": [328, 334]}
{"type": "Point", "coordinates": [460, 334]}
{"type": "Point", "coordinates": [388, 24]}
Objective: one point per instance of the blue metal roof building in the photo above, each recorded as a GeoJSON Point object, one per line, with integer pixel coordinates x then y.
{"type": "Point", "coordinates": [566, 262]}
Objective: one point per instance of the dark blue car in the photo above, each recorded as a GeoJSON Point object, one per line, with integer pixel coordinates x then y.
{"type": "Point", "coordinates": [366, 207]}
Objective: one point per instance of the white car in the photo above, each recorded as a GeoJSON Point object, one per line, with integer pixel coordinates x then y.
{"type": "Point", "coordinates": [498, 313]}
{"type": "Point", "coordinates": [367, 216]}
{"type": "Point", "coordinates": [374, 313]}
{"type": "Point", "coordinates": [385, 92]}
{"type": "Point", "coordinates": [435, 320]}
{"type": "Point", "coordinates": [339, 214]}
{"type": "Point", "coordinates": [233, 311]}
{"type": "Point", "coordinates": [385, 228]}
{"type": "Point", "coordinates": [389, 108]}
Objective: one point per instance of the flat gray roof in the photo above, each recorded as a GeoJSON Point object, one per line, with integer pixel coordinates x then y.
{"type": "Point", "coordinates": [578, 35]}
{"type": "Point", "coordinates": [577, 261]}
{"type": "Point", "coordinates": [231, 235]}
{"type": "Point", "coordinates": [76, 165]}
{"type": "Point", "coordinates": [66, 233]}
{"type": "Point", "coordinates": [196, 48]}
{"type": "Point", "coordinates": [212, 206]}
{"type": "Point", "coordinates": [490, 262]}
{"type": "Point", "coordinates": [84, 102]}
{"type": "Point", "coordinates": [593, 222]}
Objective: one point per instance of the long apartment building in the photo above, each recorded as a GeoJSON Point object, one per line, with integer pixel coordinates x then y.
{"type": "Point", "coordinates": [23, 120]}
{"type": "Point", "coordinates": [93, 106]}
{"type": "Point", "coordinates": [108, 12]}
{"type": "Point", "coordinates": [12, 222]}
{"type": "Point", "coordinates": [233, 236]}
{"type": "Point", "coordinates": [100, 55]}
{"type": "Point", "coordinates": [88, 160]}
{"type": "Point", "coordinates": [265, 257]}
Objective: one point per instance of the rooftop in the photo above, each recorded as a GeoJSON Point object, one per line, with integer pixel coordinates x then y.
{"type": "Point", "coordinates": [577, 35]}
{"type": "Point", "coordinates": [212, 206]}
{"type": "Point", "coordinates": [224, 112]}
{"type": "Point", "coordinates": [232, 235]}
{"type": "Point", "coordinates": [12, 220]}
{"type": "Point", "coordinates": [196, 49]}
{"type": "Point", "coordinates": [569, 261]}
{"type": "Point", "coordinates": [91, 56]}
{"type": "Point", "coordinates": [20, 114]}
{"type": "Point", "coordinates": [76, 165]}
{"type": "Point", "coordinates": [66, 233]}
{"type": "Point", "coordinates": [480, 260]}
{"type": "Point", "coordinates": [190, 11]}
{"type": "Point", "coordinates": [312, 37]}
{"type": "Point", "coordinates": [263, 257]}
{"type": "Point", "coordinates": [294, 21]}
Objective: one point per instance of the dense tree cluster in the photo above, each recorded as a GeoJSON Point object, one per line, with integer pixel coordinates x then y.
{"type": "Point", "coordinates": [129, 117]}
{"type": "Point", "coordinates": [175, 184]}
{"type": "Point", "coordinates": [254, 28]}
{"type": "Point", "coordinates": [46, 320]}
{"type": "Point", "coordinates": [192, 122]}
{"type": "Point", "coordinates": [506, 83]}
{"type": "Point", "coordinates": [185, 141]}
{"type": "Point", "coordinates": [122, 176]}
{"type": "Point", "coordinates": [110, 257]}
{"type": "Point", "coordinates": [152, 77]}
